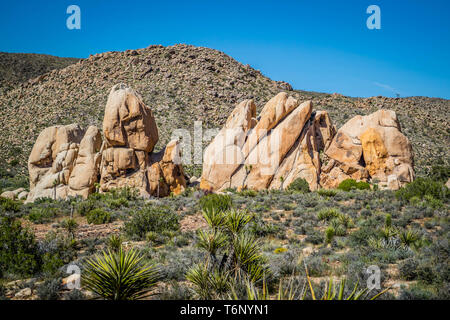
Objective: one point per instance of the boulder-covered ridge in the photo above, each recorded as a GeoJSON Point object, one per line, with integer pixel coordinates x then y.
{"type": "Point", "coordinates": [182, 84]}
{"type": "Point", "coordinates": [289, 140]}
{"type": "Point", "coordinates": [67, 160]}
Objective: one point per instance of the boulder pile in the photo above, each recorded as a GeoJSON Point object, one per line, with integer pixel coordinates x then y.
{"type": "Point", "coordinates": [290, 140]}
{"type": "Point", "coordinates": [69, 161]}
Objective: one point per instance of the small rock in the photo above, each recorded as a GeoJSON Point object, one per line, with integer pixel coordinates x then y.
{"type": "Point", "coordinates": [23, 195]}
{"type": "Point", "coordinates": [24, 293]}
{"type": "Point", "coordinates": [8, 195]}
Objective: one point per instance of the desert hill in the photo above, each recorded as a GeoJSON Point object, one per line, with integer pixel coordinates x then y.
{"type": "Point", "coordinates": [183, 84]}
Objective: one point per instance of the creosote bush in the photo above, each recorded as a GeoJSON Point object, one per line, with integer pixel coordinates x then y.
{"type": "Point", "coordinates": [422, 187]}
{"type": "Point", "coordinates": [351, 184]}
{"type": "Point", "coordinates": [98, 216]}
{"type": "Point", "coordinates": [299, 185]}
{"type": "Point", "coordinates": [151, 218]}
{"type": "Point", "coordinates": [18, 249]}
{"type": "Point", "coordinates": [215, 202]}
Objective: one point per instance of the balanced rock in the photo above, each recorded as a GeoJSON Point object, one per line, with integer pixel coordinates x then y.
{"type": "Point", "coordinates": [371, 146]}
{"type": "Point", "coordinates": [269, 152]}
{"type": "Point", "coordinates": [128, 122]}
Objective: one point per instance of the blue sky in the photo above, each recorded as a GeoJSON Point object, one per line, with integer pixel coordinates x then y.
{"type": "Point", "coordinates": [316, 45]}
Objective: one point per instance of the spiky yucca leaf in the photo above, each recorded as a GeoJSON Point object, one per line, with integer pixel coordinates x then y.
{"type": "Point", "coordinates": [212, 240]}
{"type": "Point", "coordinates": [119, 276]}
{"type": "Point", "coordinates": [236, 220]}
{"type": "Point", "coordinates": [214, 218]}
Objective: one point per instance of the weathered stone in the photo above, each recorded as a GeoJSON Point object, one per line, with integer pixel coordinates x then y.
{"type": "Point", "coordinates": [270, 153]}
{"type": "Point", "coordinates": [52, 160]}
{"type": "Point", "coordinates": [23, 195]}
{"type": "Point", "coordinates": [86, 169]}
{"type": "Point", "coordinates": [8, 195]}
{"type": "Point", "coordinates": [166, 175]}
{"type": "Point", "coordinates": [128, 122]}
{"type": "Point", "coordinates": [370, 146]}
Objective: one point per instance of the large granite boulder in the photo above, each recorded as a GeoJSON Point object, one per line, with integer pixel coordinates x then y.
{"type": "Point", "coordinates": [269, 152]}
{"type": "Point", "coordinates": [370, 147]}
{"type": "Point", "coordinates": [51, 161]}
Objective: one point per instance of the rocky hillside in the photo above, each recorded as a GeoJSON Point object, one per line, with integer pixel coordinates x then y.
{"type": "Point", "coordinates": [20, 67]}
{"type": "Point", "coordinates": [183, 84]}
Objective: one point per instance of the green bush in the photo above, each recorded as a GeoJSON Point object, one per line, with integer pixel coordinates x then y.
{"type": "Point", "coordinates": [299, 185]}
{"type": "Point", "coordinates": [98, 216]}
{"type": "Point", "coordinates": [215, 202]}
{"type": "Point", "coordinates": [328, 214]}
{"type": "Point", "coordinates": [440, 173]}
{"type": "Point", "coordinates": [41, 215]}
{"type": "Point", "coordinates": [9, 205]}
{"type": "Point", "coordinates": [18, 248]}
{"type": "Point", "coordinates": [351, 184]}
{"type": "Point", "coordinates": [151, 218]}
{"type": "Point", "coordinates": [327, 192]}
{"type": "Point", "coordinates": [422, 187]}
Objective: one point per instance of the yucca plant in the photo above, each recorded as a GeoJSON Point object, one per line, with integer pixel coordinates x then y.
{"type": "Point", "coordinates": [115, 242]}
{"type": "Point", "coordinates": [119, 276]}
{"type": "Point", "coordinates": [409, 237]}
{"type": "Point", "coordinates": [294, 292]}
{"type": "Point", "coordinates": [233, 254]}
{"type": "Point", "coordinates": [330, 291]}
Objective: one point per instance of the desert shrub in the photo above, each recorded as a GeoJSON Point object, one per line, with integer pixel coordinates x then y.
{"type": "Point", "coordinates": [119, 276]}
{"type": "Point", "coordinates": [440, 173]}
{"type": "Point", "coordinates": [85, 206]}
{"type": "Point", "coordinates": [422, 187]}
{"type": "Point", "coordinates": [56, 251]}
{"type": "Point", "coordinates": [299, 185]}
{"type": "Point", "coordinates": [74, 294]}
{"type": "Point", "coordinates": [327, 192]}
{"type": "Point", "coordinates": [41, 215]}
{"type": "Point", "coordinates": [328, 214]}
{"type": "Point", "coordinates": [351, 184]}
{"type": "Point", "coordinates": [49, 290]}
{"type": "Point", "coordinates": [329, 234]}
{"type": "Point", "coordinates": [98, 216]}
{"type": "Point", "coordinates": [408, 269]}
{"type": "Point", "coordinates": [314, 237]}
{"type": "Point", "coordinates": [18, 248]}
{"type": "Point", "coordinates": [215, 202]}
{"type": "Point", "coordinates": [150, 218]}
{"type": "Point", "coordinates": [415, 292]}
{"type": "Point", "coordinates": [8, 205]}
{"type": "Point", "coordinates": [176, 291]}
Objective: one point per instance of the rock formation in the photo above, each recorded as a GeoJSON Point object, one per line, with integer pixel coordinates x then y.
{"type": "Point", "coordinates": [290, 141]}
{"type": "Point", "coordinates": [130, 136]}
{"type": "Point", "coordinates": [68, 161]}
{"type": "Point", "coordinates": [269, 152]}
{"type": "Point", "coordinates": [370, 146]}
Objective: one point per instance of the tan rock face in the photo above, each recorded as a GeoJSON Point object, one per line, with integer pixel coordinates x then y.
{"type": "Point", "coordinates": [166, 175]}
{"type": "Point", "coordinates": [270, 153]}
{"type": "Point", "coordinates": [52, 160]}
{"type": "Point", "coordinates": [84, 174]}
{"type": "Point", "coordinates": [128, 121]}
{"type": "Point", "coordinates": [370, 146]}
